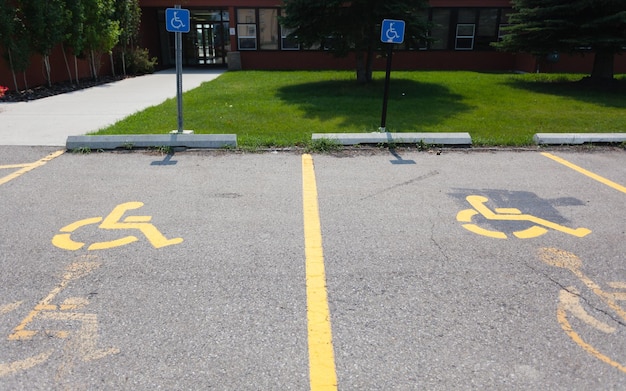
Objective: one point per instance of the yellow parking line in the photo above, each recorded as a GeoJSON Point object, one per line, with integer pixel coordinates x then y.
{"type": "Point", "coordinates": [590, 174]}
{"type": "Point", "coordinates": [15, 165]}
{"type": "Point", "coordinates": [322, 373]}
{"type": "Point", "coordinates": [28, 167]}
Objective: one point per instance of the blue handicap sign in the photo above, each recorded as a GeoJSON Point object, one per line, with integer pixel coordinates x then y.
{"type": "Point", "coordinates": [177, 20]}
{"type": "Point", "coordinates": [392, 31]}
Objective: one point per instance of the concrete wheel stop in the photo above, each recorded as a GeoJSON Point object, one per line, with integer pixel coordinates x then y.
{"type": "Point", "coordinates": [454, 139]}
{"type": "Point", "coordinates": [185, 140]}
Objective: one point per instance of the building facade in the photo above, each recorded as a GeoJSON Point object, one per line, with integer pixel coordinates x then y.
{"type": "Point", "coordinates": [250, 32]}
{"type": "Point", "coordinates": [245, 34]}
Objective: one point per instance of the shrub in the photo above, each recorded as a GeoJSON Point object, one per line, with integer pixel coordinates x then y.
{"type": "Point", "coordinates": [138, 62]}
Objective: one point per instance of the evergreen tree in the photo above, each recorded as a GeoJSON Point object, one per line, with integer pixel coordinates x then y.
{"type": "Point", "coordinates": [343, 27]}
{"type": "Point", "coordinates": [543, 26]}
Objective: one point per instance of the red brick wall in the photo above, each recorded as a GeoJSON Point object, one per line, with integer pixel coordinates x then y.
{"type": "Point", "coordinates": [36, 75]}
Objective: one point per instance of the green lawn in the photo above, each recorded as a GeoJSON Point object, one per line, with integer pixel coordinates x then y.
{"type": "Point", "coordinates": [283, 108]}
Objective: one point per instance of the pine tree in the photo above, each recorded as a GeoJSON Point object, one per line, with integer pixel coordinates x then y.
{"type": "Point", "coordinates": [543, 26]}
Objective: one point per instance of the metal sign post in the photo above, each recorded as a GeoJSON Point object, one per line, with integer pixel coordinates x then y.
{"type": "Point", "coordinates": [177, 21]}
{"type": "Point", "coordinates": [391, 32]}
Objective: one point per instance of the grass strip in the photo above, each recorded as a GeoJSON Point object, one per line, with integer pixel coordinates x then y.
{"type": "Point", "coordinates": [283, 108]}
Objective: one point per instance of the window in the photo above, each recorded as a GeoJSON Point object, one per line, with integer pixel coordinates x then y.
{"type": "Point", "coordinates": [441, 28]}
{"type": "Point", "coordinates": [246, 28]}
{"type": "Point", "coordinates": [268, 27]}
{"type": "Point", "coordinates": [487, 29]}
{"type": "Point", "coordinates": [466, 28]}
{"type": "Point", "coordinates": [286, 42]}
{"type": "Point", "coordinates": [465, 36]}
{"type": "Point", "coordinates": [504, 22]}
{"type": "Point", "coordinates": [258, 29]}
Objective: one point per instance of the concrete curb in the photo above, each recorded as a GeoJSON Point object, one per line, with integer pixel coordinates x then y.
{"type": "Point", "coordinates": [153, 140]}
{"type": "Point", "coordinates": [577, 138]}
{"type": "Point", "coordinates": [459, 139]}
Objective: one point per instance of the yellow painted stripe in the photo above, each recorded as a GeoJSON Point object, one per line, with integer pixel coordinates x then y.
{"type": "Point", "coordinates": [322, 373]}
{"type": "Point", "coordinates": [14, 166]}
{"type": "Point", "coordinates": [590, 174]}
{"type": "Point", "coordinates": [29, 167]}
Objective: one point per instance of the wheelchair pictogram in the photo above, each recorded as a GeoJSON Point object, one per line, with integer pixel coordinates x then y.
{"type": "Point", "coordinates": [391, 33]}
{"type": "Point", "coordinates": [81, 343]}
{"type": "Point", "coordinates": [539, 226]}
{"type": "Point", "coordinates": [176, 22]}
{"type": "Point", "coordinates": [571, 310]}
{"type": "Point", "coordinates": [113, 221]}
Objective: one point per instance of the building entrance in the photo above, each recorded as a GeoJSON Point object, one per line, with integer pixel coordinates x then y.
{"type": "Point", "coordinates": [207, 42]}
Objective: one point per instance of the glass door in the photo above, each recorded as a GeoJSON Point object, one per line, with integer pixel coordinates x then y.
{"type": "Point", "coordinates": [205, 43]}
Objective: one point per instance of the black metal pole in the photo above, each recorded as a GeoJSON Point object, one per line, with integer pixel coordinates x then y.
{"type": "Point", "coordinates": [383, 120]}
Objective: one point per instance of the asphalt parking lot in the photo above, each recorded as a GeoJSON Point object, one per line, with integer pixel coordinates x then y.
{"type": "Point", "coordinates": [469, 269]}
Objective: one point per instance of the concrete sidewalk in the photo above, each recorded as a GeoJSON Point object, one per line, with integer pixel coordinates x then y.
{"type": "Point", "coordinates": [50, 121]}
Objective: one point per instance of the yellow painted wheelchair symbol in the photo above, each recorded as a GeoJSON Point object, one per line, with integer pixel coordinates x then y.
{"type": "Point", "coordinates": [114, 222]}
{"type": "Point", "coordinates": [509, 214]}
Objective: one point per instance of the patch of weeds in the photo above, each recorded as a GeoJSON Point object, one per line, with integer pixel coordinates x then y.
{"type": "Point", "coordinates": [324, 145]}
{"type": "Point", "coordinates": [162, 149]}
{"type": "Point", "coordinates": [422, 146]}
{"type": "Point", "coordinates": [82, 150]}
{"type": "Point", "coordinates": [128, 146]}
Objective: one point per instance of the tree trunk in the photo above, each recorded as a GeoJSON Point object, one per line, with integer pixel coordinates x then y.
{"type": "Point", "coordinates": [364, 65]}
{"type": "Point", "coordinates": [76, 69]}
{"type": "Point", "coordinates": [12, 70]}
{"type": "Point", "coordinates": [124, 63]}
{"type": "Point", "coordinates": [361, 72]}
{"type": "Point", "coordinates": [46, 64]}
{"type": "Point", "coordinates": [67, 64]}
{"type": "Point", "coordinates": [369, 62]}
{"type": "Point", "coordinates": [112, 64]}
{"type": "Point", "coordinates": [603, 66]}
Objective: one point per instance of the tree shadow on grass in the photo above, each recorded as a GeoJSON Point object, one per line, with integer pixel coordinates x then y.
{"type": "Point", "coordinates": [609, 94]}
{"type": "Point", "coordinates": [357, 107]}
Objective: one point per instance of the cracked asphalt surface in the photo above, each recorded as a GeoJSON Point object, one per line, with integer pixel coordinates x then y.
{"type": "Point", "coordinates": [423, 292]}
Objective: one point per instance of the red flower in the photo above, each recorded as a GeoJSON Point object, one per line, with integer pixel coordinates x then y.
{"type": "Point", "coordinates": [3, 89]}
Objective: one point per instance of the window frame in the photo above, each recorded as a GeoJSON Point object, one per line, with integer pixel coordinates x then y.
{"type": "Point", "coordinates": [471, 38]}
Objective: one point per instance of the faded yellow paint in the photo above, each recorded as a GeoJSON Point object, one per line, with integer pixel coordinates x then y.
{"type": "Point", "coordinates": [587, 173]}
{"type": "Point", "coordinates": [73, 272]}
{"type": "Point", "coordinates": [22, 365]}
{"type": "Point", "coordinates": [5, 309]}
{"type": "Point", "coordinates": [24, 168]}
{"type": "Point", "coordinates": [84, 342]}
{"type": "Point", "coordinates": [567, 260]}
{"type": "Point", "coordinates": [569, 302]}
{"type": "Point", "coordinates": [567, 327]}
{"type": "Point", "coordinates": [322, 372]}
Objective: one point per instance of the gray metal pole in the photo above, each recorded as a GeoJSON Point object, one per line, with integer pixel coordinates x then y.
{"type": "Point", "coordinates": [179, 76]}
